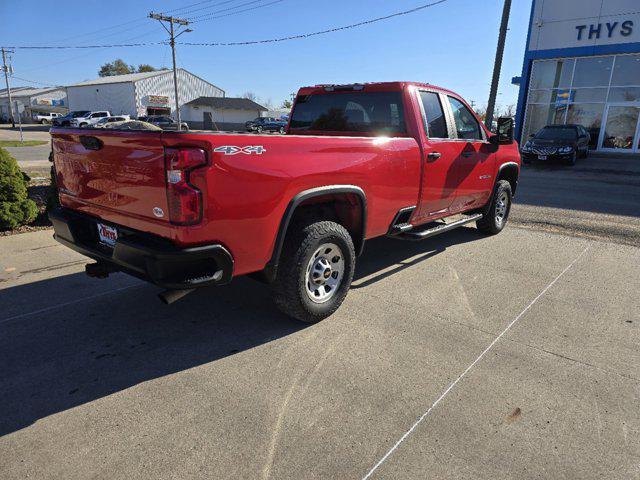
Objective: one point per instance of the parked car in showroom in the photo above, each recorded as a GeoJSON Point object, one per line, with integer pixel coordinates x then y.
{"type": "Point", "coordinates": [66, 120]}
{"type": "Point", "coordinates": [164, 122]}
{"type": "Point", "coordinates": [116, 118]}
{"type": "Point", "coordinates": [279, 126]}
{"type": "Point", "coordinates": [557, 142]}
{"type": "Point", "coordinates": [90, 118]}
{"type": "Point", "coordinates": [45, 118]}
{"type": "Point", "coordinates": [252, 125]}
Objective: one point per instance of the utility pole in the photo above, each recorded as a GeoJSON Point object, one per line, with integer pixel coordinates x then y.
{"type": "Point", "coordinates": [498, 63]}
{"type": "Point", "coordinates": [5, 69]}
{"type": "Point", "coordinates": [172, 41]}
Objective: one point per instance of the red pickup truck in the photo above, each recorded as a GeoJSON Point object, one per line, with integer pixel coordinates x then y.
{"type": "Point", "coordinates": [186, 210]}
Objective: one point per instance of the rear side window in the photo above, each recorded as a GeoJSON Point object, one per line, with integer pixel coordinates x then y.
{"type": "Point", "coordinates": [467, 126]}
{"type": "Point", "coordinates": [367, 112]}
{"type": "Point", "coordinates": [436, 123]}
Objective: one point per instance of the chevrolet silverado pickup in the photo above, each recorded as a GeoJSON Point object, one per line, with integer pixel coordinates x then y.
{"type": "Point", "coordinates": [188, 210]}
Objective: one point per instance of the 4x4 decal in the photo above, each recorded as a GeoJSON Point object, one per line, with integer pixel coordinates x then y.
{"type": "Point", "coordinates": [233, 150]}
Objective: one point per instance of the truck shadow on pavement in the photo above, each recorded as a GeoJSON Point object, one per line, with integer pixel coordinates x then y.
{"type": "Point", "coordinates": [82, 351]}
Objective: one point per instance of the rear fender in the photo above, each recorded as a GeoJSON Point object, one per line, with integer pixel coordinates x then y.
{"type": "Point", "coordinates": [310, 197]}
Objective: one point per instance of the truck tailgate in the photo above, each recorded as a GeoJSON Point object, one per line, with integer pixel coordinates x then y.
{"type": "Point", "coordinates": [113, 171]}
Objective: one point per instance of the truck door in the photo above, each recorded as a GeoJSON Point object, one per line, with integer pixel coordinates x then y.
{"type": "Point", "coordinates": [473, 165]}
{"type": "Point", "coordinates": [438, 183]}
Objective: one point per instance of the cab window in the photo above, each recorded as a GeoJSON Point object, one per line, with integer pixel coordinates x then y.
{"type": "Point", "coordinates": [435, 122]}
{"type": "Point", "coordinates": [467, 126]}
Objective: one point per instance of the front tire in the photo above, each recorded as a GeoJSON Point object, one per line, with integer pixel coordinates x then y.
{"type": "Point", "coordinates": [259, 129]}
{"type": "Point", "coordinates": [572, 159]}
{"type": "Point", "coordinates": [586, 153]}
{"type": "Point", "coordinates": [497, 214]}
{"type": "Point", "coordinates": [316, 270]}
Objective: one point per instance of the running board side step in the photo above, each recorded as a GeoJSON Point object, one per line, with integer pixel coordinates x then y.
{"type": "Point", "coordinates": [438, 229]}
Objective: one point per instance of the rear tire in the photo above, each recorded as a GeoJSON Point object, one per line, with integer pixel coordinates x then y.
{"type": "Point", "coordinates": [281, 130]}
{"type": "Point", "coordinates": [497, 214]}
{"type": "Point", "coordinates": [316, 270]}
{"type": "Point", "coordinates": [586, 153]}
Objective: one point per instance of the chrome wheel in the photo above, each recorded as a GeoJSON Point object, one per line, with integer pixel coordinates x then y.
{"type": "Point", "coordinates": [502, 205]}
{"type": "Point", "coordinates": [324, 273]}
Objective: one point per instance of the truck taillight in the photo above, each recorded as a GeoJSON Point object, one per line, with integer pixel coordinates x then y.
{"type": "Point", "coordinates": [184, 200]}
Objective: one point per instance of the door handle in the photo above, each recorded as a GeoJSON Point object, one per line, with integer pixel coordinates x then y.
{"type": "Point", "coordinates": [466, 154]}
{"type": "Point", "coordinates": [434, 155]}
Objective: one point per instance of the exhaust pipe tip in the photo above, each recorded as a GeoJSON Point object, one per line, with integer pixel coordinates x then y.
{"type": "Point", "coordinates": [98, 270]}
{"type": "Point", "coordinates": [170, 296]}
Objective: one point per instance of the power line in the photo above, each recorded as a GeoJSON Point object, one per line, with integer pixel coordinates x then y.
{"type": "Point", "coordinates": [321, 32]}
{"type": "Point", "coordinates": [196, 4]}
{"type": "Point", "coordinates": [213, 6]}
{"type": "Point", "coordinates": [249, 42]}
{"type": "Point", "coordinates": [68, 47]}
{"type": "Point", "coordinates": [33, 81]}
{"type": "Point", "coordinates": [213, 16]}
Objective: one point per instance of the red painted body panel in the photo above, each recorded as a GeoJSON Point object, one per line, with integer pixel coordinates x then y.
{"type": "Point", "coordinates": [245, 195]}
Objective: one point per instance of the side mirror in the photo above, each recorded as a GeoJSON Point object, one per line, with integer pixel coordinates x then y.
{"type": "Point", "coordinates": [505, 130]}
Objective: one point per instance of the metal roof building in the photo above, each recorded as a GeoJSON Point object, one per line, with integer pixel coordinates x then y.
{"type": "Point", "coordinates": [136, 94]}
{"type": "Point", "coordinates": [34, 100]}
{"type": "Point", "coordinates": [220, 113]}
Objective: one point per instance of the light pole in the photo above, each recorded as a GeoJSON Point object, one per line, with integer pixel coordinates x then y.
{"type": "Point", "coordinates": [5, 68]}
{"type": "Point", "coordinates": [502, 36]}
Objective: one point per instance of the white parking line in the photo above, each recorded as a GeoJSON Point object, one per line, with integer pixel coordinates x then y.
{"type": "Point", "coordinates": [60, 305]}
{"type": "Point", "coordinates": [468, 369]}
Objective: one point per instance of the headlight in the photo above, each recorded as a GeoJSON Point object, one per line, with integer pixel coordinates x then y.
{"type": "Point", "coordinates": [526, 147]}
{"type": "Point", "coordinates": [565, 150]}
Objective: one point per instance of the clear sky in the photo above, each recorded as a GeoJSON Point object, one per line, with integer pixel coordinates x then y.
{"type": "Point", "coordinates": [451, 44]}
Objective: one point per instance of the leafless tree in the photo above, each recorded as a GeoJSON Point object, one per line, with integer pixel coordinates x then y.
{"type": "Point", "coordinates": [250, 95]}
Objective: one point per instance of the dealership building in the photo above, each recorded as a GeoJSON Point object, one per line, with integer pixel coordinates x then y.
{"type": "Point", "coordinates": [137, 94]}
{"type": "Point", "coordinates": [582, 66]}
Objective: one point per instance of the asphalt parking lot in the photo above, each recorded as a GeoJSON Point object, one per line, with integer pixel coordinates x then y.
{"type": "Point", "coordinates": [514, 356]}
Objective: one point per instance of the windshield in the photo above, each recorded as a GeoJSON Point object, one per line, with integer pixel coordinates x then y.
{"type": "Point", "coordinates": [371, 112]}
{"type": "Point", "coordinates": [80, 114]}
{"type": "Point", "coordinates": [557, 133]}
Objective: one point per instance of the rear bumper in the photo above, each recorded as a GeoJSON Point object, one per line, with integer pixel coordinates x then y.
{"type": "Point", "coordinates": [143, 255]}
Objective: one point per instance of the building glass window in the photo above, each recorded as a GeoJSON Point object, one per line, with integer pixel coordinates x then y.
{"type": "Point", "coordinates": [552, 73]}
{"type": "Point", "coordinates": [626, 70]}
{"type": "Point", "coordinates": [578, 91]}
{"type": "Point", "coordinates": [588, 95]}
{"type": "Point", "coordinates": [589, 115]}
{"type": "Point", "coordinates": [625, 94]}
{"type": "Point", "coordinates": [593, 72]}
{"type": "Point", "coordinates": [539, 116]}
{"type": "Point", "coordinates": [621, 126]}
{"type": "Point", "coordinates": [540, 96]}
